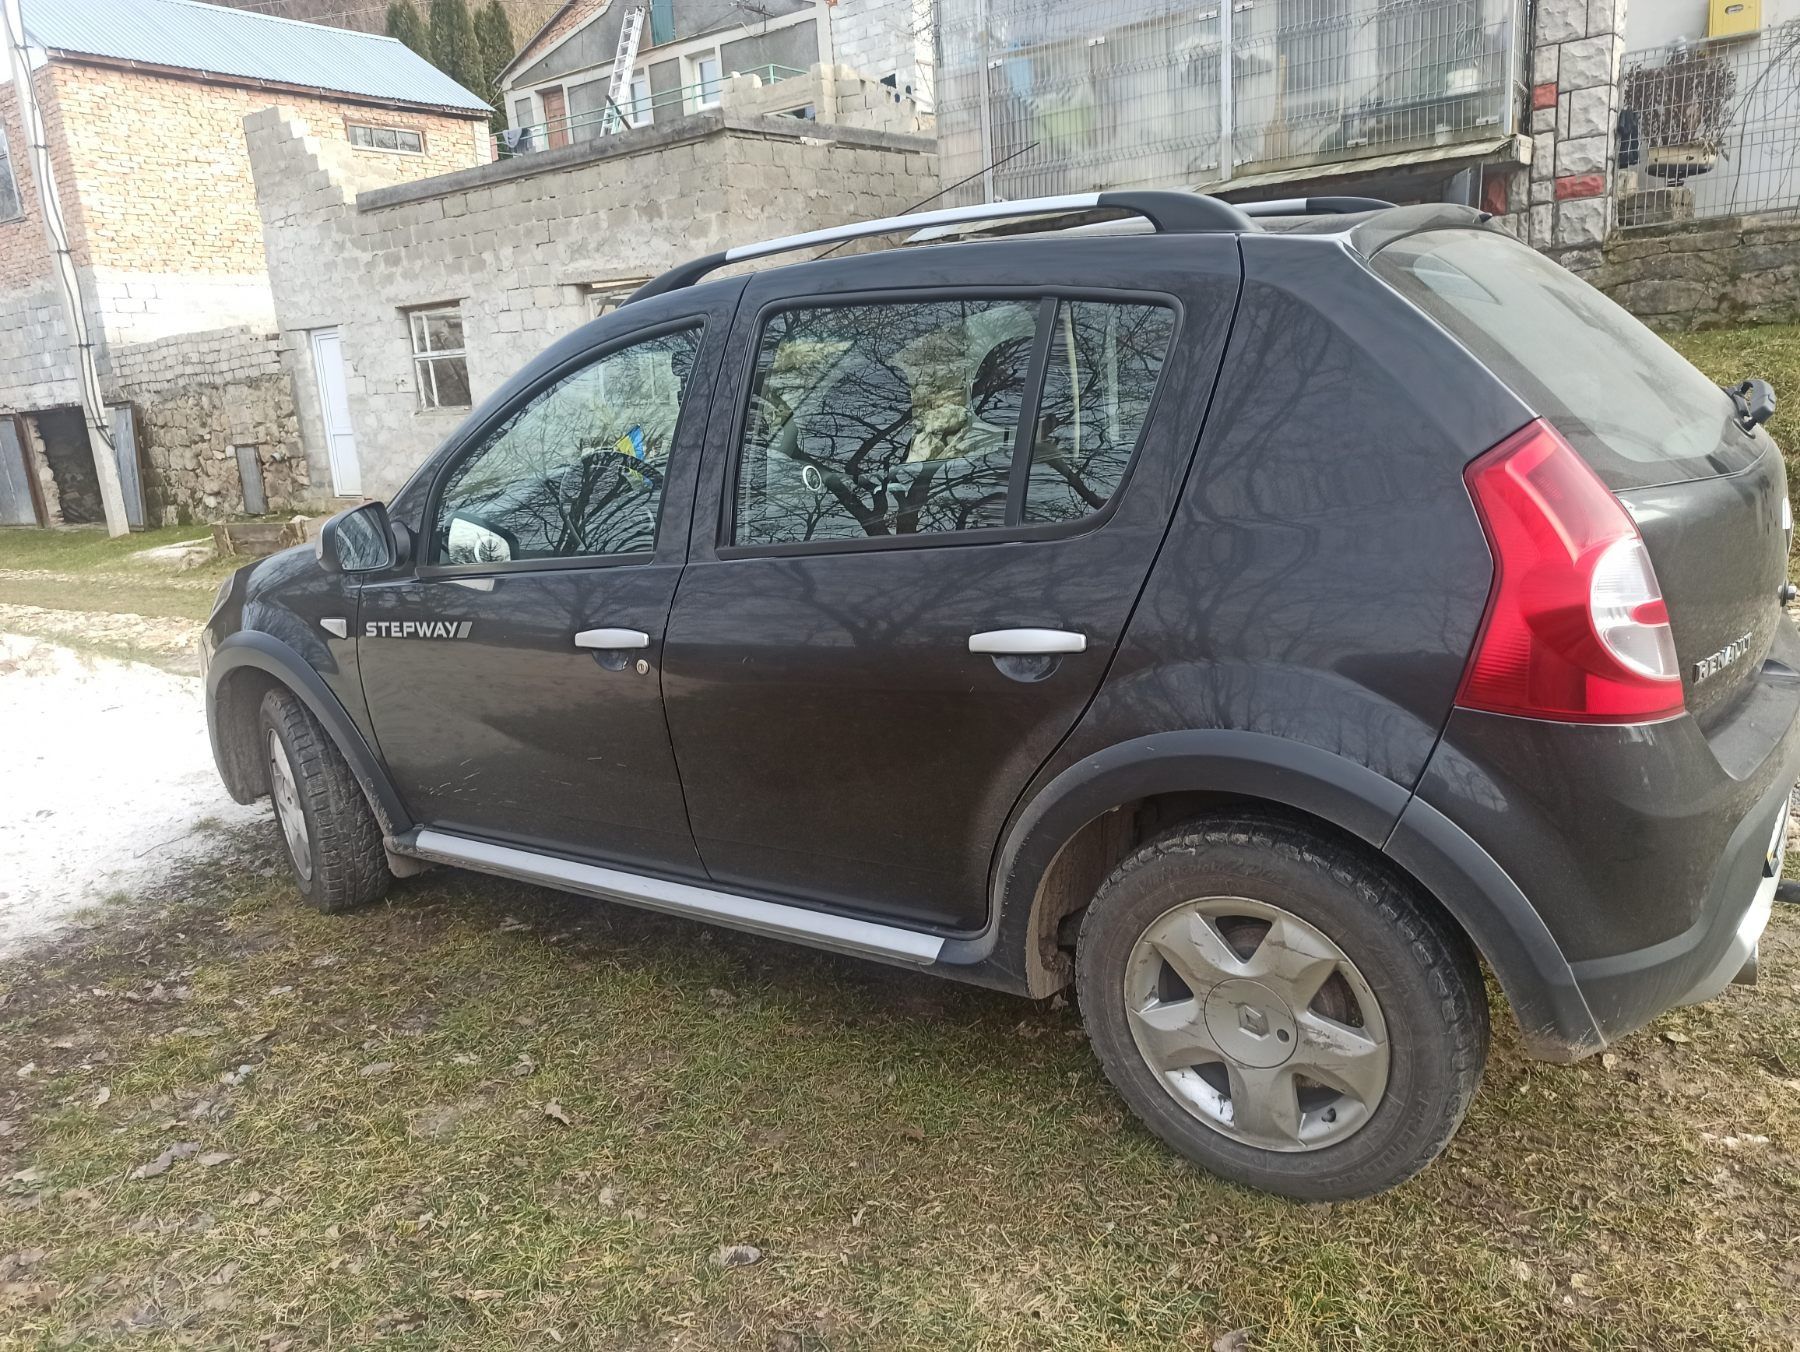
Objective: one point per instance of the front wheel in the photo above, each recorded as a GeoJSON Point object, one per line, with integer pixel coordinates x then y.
{"type": "Point", "coordinates": [333, 840]}
{"type": "Point", "coordinates": [1280, 1010]}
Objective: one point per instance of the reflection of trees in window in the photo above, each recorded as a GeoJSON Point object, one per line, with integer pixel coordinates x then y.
{"type": "Point", "coordinates": [1102, 370]}
{"type": "Point", "coordinates": [579, 469]}
{"type": "Point", "coordinates": [889, 419]}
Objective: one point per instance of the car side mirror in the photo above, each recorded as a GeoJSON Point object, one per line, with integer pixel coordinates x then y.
{"type": "Point", "coordinates": [359, 540]}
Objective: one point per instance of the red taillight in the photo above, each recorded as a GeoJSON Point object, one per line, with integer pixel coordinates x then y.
{"type": "Point", "coordinates": [1576, 627]}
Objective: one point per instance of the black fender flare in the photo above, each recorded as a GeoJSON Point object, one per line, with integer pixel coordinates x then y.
{"type": "Point", "coordinates": [265, 652]}
{"type": "Point", "coordinates": [1503, 925]}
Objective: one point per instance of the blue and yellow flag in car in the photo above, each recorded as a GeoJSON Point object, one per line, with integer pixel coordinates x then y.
{"type": "Point", "coordinates": [631, 444]}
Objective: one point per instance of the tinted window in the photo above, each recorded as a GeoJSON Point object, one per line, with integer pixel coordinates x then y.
{"type": "Point", "coordinates": [1637, 411]}
{"type": "Point", "coordinates": [1102, 369]}
{"type": "Point", "coordinates": [902, 418]}
{"type": "Point", "coordinates": [883, 420]}
{"type": "Point", "coordinates": [577, 470]}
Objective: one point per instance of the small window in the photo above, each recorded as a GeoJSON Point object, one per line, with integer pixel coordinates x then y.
{"type": "Point", "coordinates": [1098, 378]}
{"type": "Point", "coordinates": [397, 139]}
{"type": "Point", "coordinates": [10, 206]}
{"type": "Point", "coordinates": [440, 361]}
{"type": "Point", "coordinates": [604, 297]}
{"type": "Point", "coordinates": [708, 81]}
{"type": "Point", "coordinates": [901, 418]}
{"type": "Point", "coordinates": [639, 111]}
{"type": "Point", "coordinates": [576, 471]}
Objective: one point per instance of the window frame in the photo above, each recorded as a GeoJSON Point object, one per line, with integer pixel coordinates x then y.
{"type": "Point", "coordinates": [351, 126]}
{"type": "Point", "coordinates": [634, 116]}
{"type": "Point", "coordinates": [12, 173]}
{"type": "Point", "coordinates": [1048, 298]}
{"type": "Point", "coordinates": [475, 439]}
{"type": "Point", "coordinates": [699, 82]}
{"type": "Point", "coordinates": [424, 358]}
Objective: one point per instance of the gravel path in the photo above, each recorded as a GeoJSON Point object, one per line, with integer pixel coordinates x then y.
{"type": "Point", "coordinates": [108, 780]}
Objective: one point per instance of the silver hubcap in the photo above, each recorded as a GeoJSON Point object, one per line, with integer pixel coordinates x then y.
{"type": "Point", "coordinates": [287, 808]}
{"type": "Point", "coordinates": [1257, 1023]}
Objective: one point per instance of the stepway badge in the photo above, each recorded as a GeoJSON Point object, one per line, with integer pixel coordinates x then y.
{"type": "Point", "coordinates": [417, 628]}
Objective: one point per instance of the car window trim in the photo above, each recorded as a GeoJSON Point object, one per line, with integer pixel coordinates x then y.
{"type": "Point", "coordinates": [1050, 297]}
{"type": "Point", "coordinates": [476, 440]}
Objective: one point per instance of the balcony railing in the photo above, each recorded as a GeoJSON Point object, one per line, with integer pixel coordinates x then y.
{"type": "Point", "coordinates": [679, 101]}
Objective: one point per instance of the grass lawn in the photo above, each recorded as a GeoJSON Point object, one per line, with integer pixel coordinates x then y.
{"type": "Point", "coordinates": [487, 1115]}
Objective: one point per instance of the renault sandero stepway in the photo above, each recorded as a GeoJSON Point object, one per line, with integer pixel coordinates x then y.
{"type": "Point", "coordinates": [1260, 619]}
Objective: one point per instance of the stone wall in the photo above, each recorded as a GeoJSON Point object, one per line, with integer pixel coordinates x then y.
{"type": "Point", "coordinates": [515, 245]}
{"type": "Point", "coordinates": [198, 398]}
{"type": "Point", "coordinates": [1700, 275]}
{"type": "Point", "coordinates": [1564, 199]}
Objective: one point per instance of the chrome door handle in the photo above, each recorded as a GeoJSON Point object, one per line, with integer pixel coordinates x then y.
{"type": "Point", "coordinates": [612, 640]}
{"type": "Point", "coordinates": [1027, 642]}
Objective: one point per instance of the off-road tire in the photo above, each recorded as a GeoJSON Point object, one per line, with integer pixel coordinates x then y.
{"type": "Point", "coordinates": [1421, 969]}
{"type": "Point", "coordinates": [349, 863]}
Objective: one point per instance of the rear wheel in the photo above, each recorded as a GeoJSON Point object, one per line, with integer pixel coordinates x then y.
{"type": "Point", "coordinates": [333, 840]}
{"type": "Point", "coordinates": [1280, 1010]}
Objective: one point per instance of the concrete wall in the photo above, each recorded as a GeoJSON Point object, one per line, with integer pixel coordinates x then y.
{"type": "Point", "coordinates": [882, 36]}
{"type": "Point", "coordinates": [514, 245]}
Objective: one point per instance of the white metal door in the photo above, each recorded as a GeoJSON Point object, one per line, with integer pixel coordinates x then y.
{"type": "Point", "coordinates": [334, 401]}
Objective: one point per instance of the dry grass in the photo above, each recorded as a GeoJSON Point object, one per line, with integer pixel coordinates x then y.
{"type": "Point", "coordinates": [922, 1165]}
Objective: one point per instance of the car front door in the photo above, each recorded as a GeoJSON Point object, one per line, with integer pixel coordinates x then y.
{"type": "Point", "coordinates": [514, 678]}
{"type": "Point", "coordinates": [925, 517]}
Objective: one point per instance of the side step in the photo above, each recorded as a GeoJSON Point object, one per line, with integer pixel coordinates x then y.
{"type": "Point", "coordinates": [818, 929]}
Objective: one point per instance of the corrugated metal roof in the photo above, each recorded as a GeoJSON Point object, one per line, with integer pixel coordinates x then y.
{"type": "Point", "coordinates": [245, 45]}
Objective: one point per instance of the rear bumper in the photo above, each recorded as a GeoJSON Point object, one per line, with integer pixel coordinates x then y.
{"type": "Point", "coordinates": [1626, 870]}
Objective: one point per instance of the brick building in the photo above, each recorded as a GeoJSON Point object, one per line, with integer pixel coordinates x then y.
{"type": "Point", "coordinates": [144, 104]}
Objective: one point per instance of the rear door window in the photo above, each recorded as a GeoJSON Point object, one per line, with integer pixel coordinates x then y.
{"type": "Point", "coordinates": [1634, 408]}
{"type": "Point", "coordinates": [892, 419]}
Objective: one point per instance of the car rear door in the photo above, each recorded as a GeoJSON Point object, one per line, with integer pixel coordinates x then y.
{"type": "Point", "coordinates": [935, 483]}
{"type": "Point", "coordinates": [513, 674]}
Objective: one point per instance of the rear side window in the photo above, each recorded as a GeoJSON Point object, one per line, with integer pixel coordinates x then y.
{"type": "Point", "coordinates": [1634, 408]}
{"type": "Point", "coordinates": [908, 418]}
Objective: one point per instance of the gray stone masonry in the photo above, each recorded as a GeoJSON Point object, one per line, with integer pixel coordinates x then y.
{"type": "Point", "coordinates": [516, 245]}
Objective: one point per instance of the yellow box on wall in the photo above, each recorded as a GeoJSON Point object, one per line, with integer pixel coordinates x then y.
{"type": "Point", "coordinates": [1733, 18]}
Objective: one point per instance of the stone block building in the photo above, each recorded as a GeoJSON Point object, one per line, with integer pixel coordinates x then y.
{"type": "Point", "coordinates": [401, 306]}
{"type": "Point", "coordinates": [144, 103]}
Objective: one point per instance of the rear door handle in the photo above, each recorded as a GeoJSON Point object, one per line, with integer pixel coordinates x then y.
{"type": "Point", "coordinates": [1027, 642]}
{"type": "Point", "coordinates": [612, 640]}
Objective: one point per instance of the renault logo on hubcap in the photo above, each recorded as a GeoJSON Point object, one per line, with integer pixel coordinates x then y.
{"type": "Point", "coordinates": [1253, 1021]}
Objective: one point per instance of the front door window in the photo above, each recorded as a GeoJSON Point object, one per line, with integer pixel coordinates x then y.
{"type": "Point", "coordinates": [576, 471]}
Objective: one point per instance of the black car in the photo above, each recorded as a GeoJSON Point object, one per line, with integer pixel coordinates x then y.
{"type": "Point", "coordinates": [1259, 620]}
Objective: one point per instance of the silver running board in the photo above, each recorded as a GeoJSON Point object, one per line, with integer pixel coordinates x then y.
{"type": "Point", "coordinates": [840, 934]}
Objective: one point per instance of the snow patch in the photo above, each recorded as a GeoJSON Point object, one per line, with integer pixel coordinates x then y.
{"type": "Point", "coordinates": [108, 774]}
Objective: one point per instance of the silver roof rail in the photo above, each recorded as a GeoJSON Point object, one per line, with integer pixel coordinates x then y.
{"type": "Point", "coordinates": [1312, 206]}
{"type": "Point", "coordinates": [1170, 212]}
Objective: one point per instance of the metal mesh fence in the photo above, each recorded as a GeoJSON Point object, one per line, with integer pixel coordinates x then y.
{"type": "Point", "coordinates": [1710, 129]}
{"type": "Point", "coordinates": [1132, 92]}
